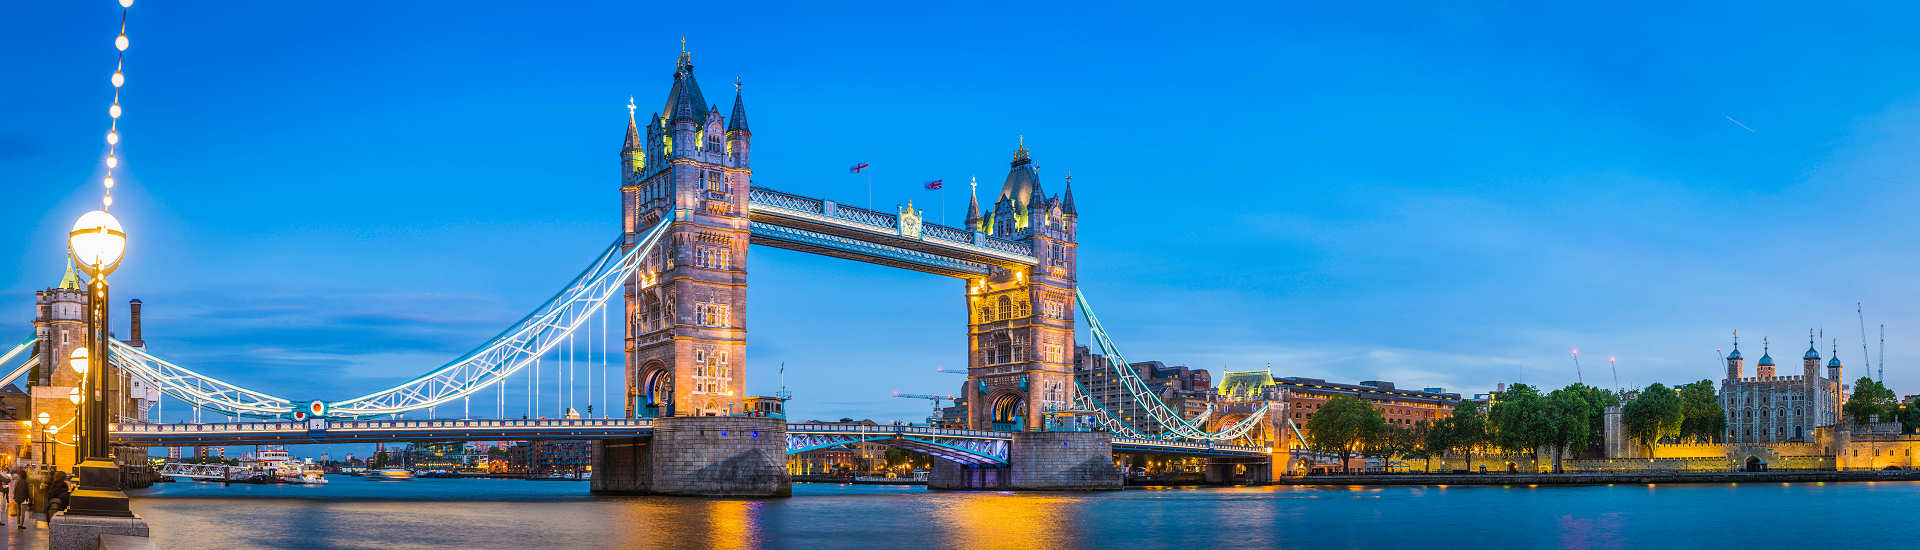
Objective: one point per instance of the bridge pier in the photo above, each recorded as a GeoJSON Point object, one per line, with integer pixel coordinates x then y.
{"type": "Point", "coordinates": [711, 456]}
{"type": "Point", "coordinates": [1040, 461]}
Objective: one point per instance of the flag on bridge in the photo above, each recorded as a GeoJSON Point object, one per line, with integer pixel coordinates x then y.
{"type": "Point", "coordinates": [858, 167]}
{"type": "Point", "coordinates": [934, 185]}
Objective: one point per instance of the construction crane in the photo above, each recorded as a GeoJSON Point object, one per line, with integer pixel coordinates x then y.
{"type": "Point", "coordinates": [1864, 358]}
{"type": "Point", "coordinates": [934, 419]}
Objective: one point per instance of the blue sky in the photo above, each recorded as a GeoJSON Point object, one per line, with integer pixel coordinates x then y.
{"type": "Point", "coordinates": [326, 199]}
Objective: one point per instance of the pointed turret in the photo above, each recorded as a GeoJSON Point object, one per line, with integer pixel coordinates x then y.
{"type": "Point", "coordinates": [70, 281]}
{"type": "Point", "coordinates": [973, 204]}
{"type": "Point", "coordinates": [737, 122]}
{"type": "Point", "coordinates": [1833, 366]}
{"type": "Point", "coordinates": [684, 100]}
{"type": "Point", "coordinates": [1066, 197]}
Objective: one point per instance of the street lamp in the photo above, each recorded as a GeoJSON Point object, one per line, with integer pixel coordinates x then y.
{"type": "Point", "coordinates": [97, 243]}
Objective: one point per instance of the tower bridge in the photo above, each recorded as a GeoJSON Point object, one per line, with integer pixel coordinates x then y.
{"type": "Point", "coordinates": [689, 213]}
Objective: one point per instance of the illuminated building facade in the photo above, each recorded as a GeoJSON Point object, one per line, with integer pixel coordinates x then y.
{"type": "Point", "coordinates": [1770, 408]}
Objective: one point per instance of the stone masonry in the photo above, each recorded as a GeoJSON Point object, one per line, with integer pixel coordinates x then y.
{"type": "Point", "coordinates": [716, 456]}
{"type": "Point", "coordinates": [1041, 461]}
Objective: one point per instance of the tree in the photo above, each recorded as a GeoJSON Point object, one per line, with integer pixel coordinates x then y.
{"type": "Point", "coordinates": [1342, 425]}
{"type": "Point", "coordinates": [1909, 415]}
{"type": "Point", "coordinates": [1869, 398]}
{"type": "Point", "coordinates": [1597, 400]}
{"type": "Point", "coordinates": [1436, 438]}
{"type": "Point", "coordinates": [1653, 414]}
{"type": "Point", "coordinates": [1566, 413]}
{"type": "Point", "coordinates": [1519, 420]}
{"type": "Point", "coordinates": [1468, 427]}
{"type": "Point", "coordinates": [1702, 419]}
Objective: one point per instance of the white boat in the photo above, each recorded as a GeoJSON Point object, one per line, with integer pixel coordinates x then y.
{"type": "Point", "coordinates": [277, 466]}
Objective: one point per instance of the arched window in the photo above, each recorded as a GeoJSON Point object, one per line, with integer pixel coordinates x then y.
{"type": "Point", "coordinates": [1005, 308]}
{"type": "Point", "coordinates": [986, 314]}
{"type": "Point", "coordinates": [1002, 348]}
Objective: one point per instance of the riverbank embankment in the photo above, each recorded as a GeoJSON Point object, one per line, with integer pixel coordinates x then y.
{"type": "Point", "coordinates": [1798, 476]}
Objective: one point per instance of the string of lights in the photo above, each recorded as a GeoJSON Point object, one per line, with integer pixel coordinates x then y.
{"type": "Point", "coordinates": [113, 126]}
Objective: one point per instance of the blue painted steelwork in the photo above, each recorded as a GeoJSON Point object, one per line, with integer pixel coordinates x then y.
{"type": "Point", "coordinates": [24, 365]}
{"type": "Point", "coordinates": [777, 208]}
{"type": "Point", "coordinates": [975, 447]}
{"type": "Point", "coordinates": [880, 253]}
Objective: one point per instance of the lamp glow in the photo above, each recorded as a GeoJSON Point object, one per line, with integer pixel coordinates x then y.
{"type": "Point", "coordinates": [126, 3]}
{"type": "Point", "coordinates": [44, 418]}
{"type": "Point", "coordinates": [79, 360]}
{"type": "Point", "coordinates": [119, 79]}
{"type": "Point", "coordinates": [121, 42]}
{"type": "Point", "coordinates": [113, 137]}
{"type": "Point", "coordinates": [113, 161]}
{"type": "Point", "coordinates": [114, 111]}
{"type": "Point", "coordinates": [97, 242]}
{"type": "Point", "coordinates": [74, 395]}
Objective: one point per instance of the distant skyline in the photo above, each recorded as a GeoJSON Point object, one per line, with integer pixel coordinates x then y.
{"type": "Point", "coordinates": [323, 202]}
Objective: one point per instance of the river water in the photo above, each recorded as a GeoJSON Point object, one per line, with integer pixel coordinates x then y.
{"type": "Point", "coordinates": [485, 513]}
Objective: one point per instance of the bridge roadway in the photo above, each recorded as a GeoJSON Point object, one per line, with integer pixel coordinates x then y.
{"type": "Point", "coordinates": [964, 446]}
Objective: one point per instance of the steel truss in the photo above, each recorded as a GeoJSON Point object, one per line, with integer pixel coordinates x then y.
{"type": "Point", "coordinates": [962, 446]}
{"type": "Point", "coordinates": [1165, 416]}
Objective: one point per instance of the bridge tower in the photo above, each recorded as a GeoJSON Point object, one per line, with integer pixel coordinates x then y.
{"type": "Point", "coordinates": [686, 305]}
{"type": "Point", "coordinates": [60, 322]}
{"type": "Point", "coordinates": [1020, 321]}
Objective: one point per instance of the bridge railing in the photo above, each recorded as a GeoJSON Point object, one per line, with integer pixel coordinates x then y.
{"type": "Point", "coordinates": [243, 427]}
{"type": "Point", "coordinates": [821, 427]}
{"type": "Point", "coordinates": [1189, 445]}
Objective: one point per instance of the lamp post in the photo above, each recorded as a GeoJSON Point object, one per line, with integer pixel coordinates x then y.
{"type": "Point", "coordinates": [97, 244]}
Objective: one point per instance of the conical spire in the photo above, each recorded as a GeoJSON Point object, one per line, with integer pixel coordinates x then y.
{"type": "Point", "coordinates": [738, 121]}
{"type": "Point", "coordinates": [633, 128]}
{"type": "Point", "coordinates": [1066, 197]}
{"type": "Point", "coordinates": [70, 281]}
{"type": "Point", "coordinates": [684, 101]}
{"type": "Point", "coordinates": [973, 204]}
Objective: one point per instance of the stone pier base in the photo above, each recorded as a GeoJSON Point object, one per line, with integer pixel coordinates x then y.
{"type": "Point", "coordinates": [714, 456]}
{"type": "Point", "coordinates": [70, 532]}
{"type": "Point", "coordinates": [1239, 472]}
{"type": "Point", "coordinates": [1040, 461]}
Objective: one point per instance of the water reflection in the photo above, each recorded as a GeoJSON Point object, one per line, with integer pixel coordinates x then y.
{"type": "Point", "coordinates": [353, 513]}
{"type": "Point", "coordinates": [993, 520]}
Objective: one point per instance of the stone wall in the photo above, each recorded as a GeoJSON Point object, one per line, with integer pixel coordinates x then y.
{"type": "Point", "coordinates": [1063, 461]}
{"type": "Point", "coordinates": [697, 456]}
{"type": "Point", "coordinates": [1040, 461]}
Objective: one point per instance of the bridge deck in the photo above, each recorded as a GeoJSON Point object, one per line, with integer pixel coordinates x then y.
{"type": "Point", "coordinates": [964, 445]}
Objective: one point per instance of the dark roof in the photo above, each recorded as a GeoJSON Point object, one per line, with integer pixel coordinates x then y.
{"type": "Point", "coordinates": [738, 121]}
{"type": "Point", "coordinates": [684, 100]}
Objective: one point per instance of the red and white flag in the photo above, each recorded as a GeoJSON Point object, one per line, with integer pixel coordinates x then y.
{"type": "Point", "coordinates": [934, 185]}
{"type": "Point", "coordinates": [858, 167]}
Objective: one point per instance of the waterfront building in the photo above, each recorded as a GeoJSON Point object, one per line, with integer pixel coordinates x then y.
{"type": "Point", "coordinates": [1302, 396]}
{"type": "Point", "coordinates": [549, 458]}
{"type": "Point", "coordinates": [1771, 408]}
